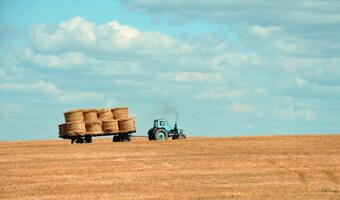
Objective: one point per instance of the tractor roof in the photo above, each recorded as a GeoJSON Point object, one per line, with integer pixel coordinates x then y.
{"type": "Point", "coordinates": [161, 119]}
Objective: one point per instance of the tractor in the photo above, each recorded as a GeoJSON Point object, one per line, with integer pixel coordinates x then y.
{"type": "Point", "coordinates": [162, 130]}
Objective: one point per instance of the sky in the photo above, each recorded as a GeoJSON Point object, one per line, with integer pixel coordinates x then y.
{"type": "Point", "coordinates": [227, 67]}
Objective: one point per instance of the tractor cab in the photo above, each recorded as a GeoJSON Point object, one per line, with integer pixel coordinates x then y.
{"type": "Point", "coordinates": [162, 123]}
{"type": "Point", "coordinates": [162, 130]}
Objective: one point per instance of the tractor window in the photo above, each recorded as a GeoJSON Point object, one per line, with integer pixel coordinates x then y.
{"type": "Point", "coordinates": [163, 123]}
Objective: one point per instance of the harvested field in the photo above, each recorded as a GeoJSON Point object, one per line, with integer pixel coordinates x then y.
{"type": "Point", "coordinates": [277, 167]}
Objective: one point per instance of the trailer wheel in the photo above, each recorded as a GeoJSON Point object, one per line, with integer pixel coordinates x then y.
{"type": "Point", "coordinates": [88, 139]}
{"type": "Point", "coordinates": [80, 140]}
{"type": "Point", "coordinates": [115, 138]}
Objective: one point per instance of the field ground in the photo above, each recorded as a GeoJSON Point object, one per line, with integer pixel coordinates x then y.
{"type": "Point", "coordinates": [271, 167]}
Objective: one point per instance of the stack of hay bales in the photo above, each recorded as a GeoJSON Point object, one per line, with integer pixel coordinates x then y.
{"type": "Point", "coordinates": [108, 124]}
{"type": "Point", "coordinates": [75, 124]}
{"type": "Point", "coordinates": [97, 122]}
{"type": "Point", "coordinates": [125, 122]}
{"type": "Point", "coordinates": [93, 125]}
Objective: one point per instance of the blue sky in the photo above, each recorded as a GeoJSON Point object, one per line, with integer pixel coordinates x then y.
{"type": "Point", "coordinates": [227, 67]}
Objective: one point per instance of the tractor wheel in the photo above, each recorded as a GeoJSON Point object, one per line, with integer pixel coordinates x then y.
{"type": "Point", "coordinates": [182, 136]}
{"type": "Point", "coordinates": [150, 135]}
{"type": "Point", "coordinates": [161, 134]}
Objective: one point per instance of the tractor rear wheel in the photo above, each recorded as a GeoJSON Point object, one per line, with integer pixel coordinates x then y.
{"type": "Point", "coordinates": [151, 135]}
{"type": "Point", "coordinates": [161, 134]}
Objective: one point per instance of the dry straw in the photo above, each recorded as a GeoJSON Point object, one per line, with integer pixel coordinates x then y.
{"type": "Point", "coordinates": [62, 130]}
{"type": "Point", "coordinates": [75, 128]}
{"type": "Point", "coordinates": [126, 125]}
{"type": "Point", "coordinates": [110, 126]}
{"type": "Point", "coordinates": [94, 127]}
{"type": "Point", "coordinates": [90, 115]}
{"type": "Point", "coordinates": [120, 113]}
{"type": "Point", "coordinates": [74, 116]}
{"type": "Point", "coordinates": [105, 115]}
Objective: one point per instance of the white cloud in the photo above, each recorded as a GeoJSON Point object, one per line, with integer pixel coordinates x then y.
{"type": "Point", "coordinates": [70, 97]}
{"type": "Point", "coordinates": [79, 35]}
{"type": "Point", "coordinates": [291, 113]}
{"type": "Point", "coordinates": [239, 107]}
{"type": "Point", "coordinates": [254, 12]}
{"type": "Point", "coordinates": [75, 31]}
{"type": "Point", "coordinates": [41, 86]}
{"type": "Point", "coordinates": [66, 60]}
{"type": "Point", "coordinates": [263, 31]}
{"type": "Point", "coordinates": [65, 96]}
{"type": "Point", "coordinates": [301, 82]}
{"type": "Point", "coordinates": [219, 94]}
{"type": "Point", "coordinates": [2, 72]}
{"type": "Point", "coordinates": [193, 76]}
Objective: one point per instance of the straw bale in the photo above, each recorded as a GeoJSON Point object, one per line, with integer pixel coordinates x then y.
{"type": "Point", "coordinates": [62, 129]}
{"type": "Point", "coordinates": [75, 128]}
{"type": "Point", "coordinates": [105, 115]}
{"type": "Point", "coordinates": [110, 126]}
{"type": "Point", "coordinates": [94, 127]}
{"type": "Point", "coordinates": [90, 115]}
{"type": "Point", "coordinates": [127, 124]}
{"type": "Point", "coordinates": [74, 116]}
{"type": "Point", "coordinates": [120, 113]}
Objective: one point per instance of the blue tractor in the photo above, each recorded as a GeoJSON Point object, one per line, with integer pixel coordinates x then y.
{"type": "Point", "coordinates": [162, 131]}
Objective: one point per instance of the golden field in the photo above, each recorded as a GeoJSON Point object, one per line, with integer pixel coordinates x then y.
{"type": "Point", "coordinates": [269, 167]}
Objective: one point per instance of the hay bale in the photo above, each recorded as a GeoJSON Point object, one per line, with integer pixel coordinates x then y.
{"type": "Point", "coordinates": [127, 125]}
{"type": "Point", "coordinates": [110, 126]}
{"type": "Point", "coordinates": [75, 128]}
{"type": "Point", "coordinates": [90, 115]}
{"type": "Point", "coordinates": [94, 127]}
{"type": "Point", "coordinates": [62, 130]}
{"type": "Point", "coordinates": [105, 115]}
{"type": "Point", "coordinates": [74, 116]}
{"type": "Point", "coordinates": [120, 113]}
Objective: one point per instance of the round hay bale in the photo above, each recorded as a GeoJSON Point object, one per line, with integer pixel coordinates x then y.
{"type": "Point", "coordinates": [94, 127]}
{"type": "Point", "coordinates": [90, 115]}
{"type": "Point", "coordinates": [75, 128]}
{"type": "Point", "coordinates": [105, 115]}
{"type": "Point", "coordinates": [110, 126]}
{"type": "Point", "coordinates": [74, 116]}
{"type": "Point", "coordinates": [126, 125]}
{"type": "Point", "coordinates": [120, 113]}
{"type": "Point", "coordinates": [62, 130]}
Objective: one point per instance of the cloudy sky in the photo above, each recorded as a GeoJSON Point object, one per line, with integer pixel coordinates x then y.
{"type": "Point", "coordinates": [227, 67]}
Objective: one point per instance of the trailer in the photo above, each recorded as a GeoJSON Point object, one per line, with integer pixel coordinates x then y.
{"type": "Point", "coordinates": [121, 136]}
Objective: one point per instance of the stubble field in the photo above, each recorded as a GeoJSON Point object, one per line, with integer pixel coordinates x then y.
{"type": "Point", "coordinates": [271, 167]}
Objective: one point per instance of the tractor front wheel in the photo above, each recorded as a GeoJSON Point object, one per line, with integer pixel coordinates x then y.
{"type": "Point", "coordinates": [182, 136]}
{"type": "Point", "coordinates": [161, 134]}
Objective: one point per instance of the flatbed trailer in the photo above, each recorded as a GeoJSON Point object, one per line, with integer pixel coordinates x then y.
{"type": "Point", "coordinates": [121, 136]}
